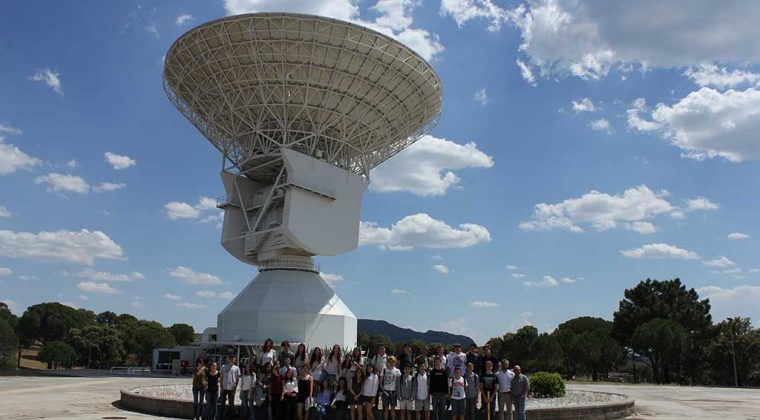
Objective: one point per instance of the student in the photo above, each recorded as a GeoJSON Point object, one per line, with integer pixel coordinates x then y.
{"type": "Point", "coordinates": [263, 383]}
{"type": "Point", "coordinates": [488, 387]}
{"type": "Point", "coordinates": [345, 367]}
{"type": "Point", "coordinates": [289, 395]}
{"type": "Point", "coordinates": [317, 364]}
{"type": "Point", "coordinates": [505, 376]}
{"type": "Point", "coordinates": [340, 400]}
{"type": "Point", "coordinates": [369, 391]}
{"type": "Point", "coordinates": [472, 356]}
{"type": "Point", "coordinates": [230, 378]}
{"type": "Point", "coordinates": [405, 395]}
{"type": "Point", "coordinates": [520, 389]}
{"type": "Point", "coordinates": [439, 389]}
{"type": "Point", "coordinates": [380, 359]}
{"type": "Point", "coordinates": [285, 352]}
{"type": "Point", "coordinates": [488, 355]}
{"type": "Point", "coordinates": [332, 364]}
{"type": "Point", "coordinates": [199, 388]}
{"type": "Point", "coordinates": [300, 357]}
{"type": "Point", "coordinates": [440, 355]}
{"type": "Point", "coordinates": [267, 352]}
{"type": "Point", "coordinates": [247, 389]}
{"type": "Point", "coordinates": [424, 357]}
{"type": "Point", "coordinates": [456, 359]}
{"type": "Point", "coordinates": [405, 358]}
{"type": "Point", "coordinates": [389, 385]}
{"type": "Point", "coordinates": [324, 399]}
{"type": "Point", "coordinates": [212, 392]}
{"type": "Point", "coordinates": [358, 363]}
{"type": "Point", "coordinates": [472, 380]}
{"type": "Point", "coordinates": [288, 366]}
{"type": "Point", "coordinates": [458, 395]}
{"type": "Point", "coordinates": [275, 392]}
{"type": "Point", "coordinates": [421, 391]}
{"type": "Point", "coordinates": [305, 390]}
{"type": "Point", "coordinates": [355, 391]}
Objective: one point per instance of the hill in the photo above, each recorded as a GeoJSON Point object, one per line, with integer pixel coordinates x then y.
{"type": "Point", "coordinates": [397, 333]}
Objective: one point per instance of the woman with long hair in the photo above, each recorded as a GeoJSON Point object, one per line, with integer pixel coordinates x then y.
{"type": "Point", "coordinates": [316, 364]}
{"type": "Point", "coordinates": [275, 391]}
{"type": "Point", "coordinates": [355, 393]}
{"type": "Point", "coordinates": [267, 352]}
{"type": "Point", "coordinates": [212, 392]}
{"type": "Point", "coordinates": [305, 390]}
{"type": "Point", "coordinates": [340, 400]}
{"type": "Point", "coordinates": [247, 388]}
{"type": "Point", "coordinates": [369, 391]}
{"type": "Point", "coordinates": [199, 388]}
{"type": "Point", "coordinates": [289, 395]}
{"type": "Point", "coordinates": [332, 364]}
{"type": "Point", "coordinates": [357, 363]}
{"type": "Point", "coordinates": [300, 357]}
{"type": "Point", "coordinates": [345, 366]}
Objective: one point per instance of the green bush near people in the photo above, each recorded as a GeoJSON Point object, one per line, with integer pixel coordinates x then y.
{"type": "Point", "coordinates": [58, 354]}
{"type": "Point", "coordinates": [547, 385]}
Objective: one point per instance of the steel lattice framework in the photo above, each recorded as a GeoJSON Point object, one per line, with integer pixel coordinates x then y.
{"type": "Point", "coordinates": [255, 83]}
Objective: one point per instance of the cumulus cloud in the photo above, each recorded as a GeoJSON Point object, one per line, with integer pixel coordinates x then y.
{"type": "Point", "coordinates": [732, 301]}
{"type": "Point", "coordinates": [706, 123]}
{"type": "Point", "coordinates": [512, 267]}
{"type": "Point", "coordinates": [64, 183]}
{"type": "Point", "coordinates": [101, 288]}
{"type": "Point", "coordinates": [331, 278]}
{"type": "Point", "coordinates": [588, 39]}
{"type": "Point", "coordinates": [182, 19]}
{"type": "Point", "coordinates": [480, 304]}
{"type": "Point", "coordinates": [526, 72]}
{"type": "Point", "coordinates": [602, 211]}
{"type": "Point", "coordinates": [737, 236]}
{"type": "Point", "coordinates": [441, 268]}
{"type": "Point", "coordinates": [205, 293]}
{"type": "Point", "coordinates": [5, 271]}
{"type": "Point", "coordinates": [398, 292]}
{"type": "Point", "coordinates": [708, 74]}
{"type": "Point", "coordinates": [393, 18]}
{"type": "Point", "coordinates": [570, 280]}
{"type": "Point", "coordinates": [584, 105]}
{"type": "Point", "coordinates": [4, 213]}
{"type": "Point", "coordinates": [190, 276]}
{"type": "Point", "coordinates": [189, 305]}
{"type": "Point", "coordinates": [547, 281]}
{"type": "Point", "coordinates": [660, 251]}
{"type": "Point", "coordinates": [427, 167]}
{"type": "Point", "coordinates": [50, 78]}
{"type": "Point", "coordinates": [81, 247]}
{"type": "Point", "coordinates": [721, 262]}
{"type": "Point", "coordinates": [172, 297]}
{"type": "Point", "coordinates": [421, 230]}
{"type": "Point", "coordinates": [106, 276]}
{"type": "Point", "coordinates": [601, 125]}
{"type": "Point", "coordinates": [226, 295]}
{"type": "Point", "coordinates": [109, 186]}
{"type": "Point", "coordinates": [481, 97]}
{"type": "Point", "coordinates": [13, 159]}
{"type": "Point", "coordinates": [181, 210]}
{"type": "Point", "coordinates": [5, 128]}
{"type": "Point", "coordinates": [699, 204]}
{"type": "Point", "coordinates": [518, 275]}
{"type": "Point", "coordinates": [119, 162]}
{"type": "Point", "coordinates": [71, 164]}
{"type": "Point", "coordinates": [463, 11]}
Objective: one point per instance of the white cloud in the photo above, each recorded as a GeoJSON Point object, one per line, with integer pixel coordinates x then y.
{"type": "Point", "coordinates": [50, 78]}
{"type": "Point", "coordinates": [588, 39]}
{"type": "Point", "coordinates": [83, 297]}
{"type": "Point", "coordinates": [106, 276]}
{"type": "Point", "coordinates": [483, 304]}
{"type": "Point", "coordinates": [700, 204]}
{"type": "Point", "coordinates": [643, 228]}
{"type": "Point", "coordinates": [721, 262]}
{"type": "Point", "coordinates": [518, 275]}
{"type": "Point", "coordinates": [4, 213]}
{"type": "Point", "coordinates": [5, 271]}
{"type": "Point", "coordinates": [205, 293]}
{"type": "Point", "coordinates": [427, 167]}
{"type": "Point", "coordinates": [189, 305]}
{"type": "Point", "coordinates": [635, 121]}
{"type": "Point", "coordinates": [737, 236]}
{"type": "Point", "coordinates": [602, 211]}
{"type": "Point", "coordinates": [660, 251]}
{"type": "Point", "coordinates": [441, 268]}
{"type": "Point", "coordinates": [421, 230]}
{"type": "Point", "coordinates": [463, 11]}
{"type": "Point", "coordinates": [226, 295]}
{"type": "Point", "coordinates": [190, 276]}
{"type": "Point", "coordinates": [512, 267]}
{"type": "Point", "coordinates": [394, 17]}
{"type": "Point", "coordinates": [525, 318]}
{"type": "Point", "coordinates": [102, 288]}
{"type": "Point", "coordinates": [119, 162]}
{"type": "Point", "coordinates": [13, 159]}
{"type": "Point", "coordinates": [25, 277]}
{"type": "Point", "coordinates": [601, 125]}
{"type": "Point", "coordinates": [81, 247]}
{"type": "Point", "coordinates": [72, 164]}
{"type": "Point", "coordinates": [526, 72]}
{"type": "Point", "coordinates": [570, 280]}
{"type": "Point", "coordinates": [754, 270]}
{"type": "Point", "coordinates": [183, 19]}
{"type": "Point", "coordinates": [398, 292]}
{"type": "Point", "coordinates": [584, 105]}
{"type": "Point", "coordinates": [331, 278]}
{"type": "Point", "coordinates": [708, 74]}
{"type": "Point", "coordinates": [732, 301]}
{"type": "Point", "coordinates": [60, 183]}
{"type": "Point", "coordinates": [481, 97]}
{"type": "Point", "coordinates": [137, 304]}
{"type": "Point", "coordinates": [109, 186]}
{"type": "Point", "coordinates": [708, 124]}
{"type": "Point", "coordinates": [547, 281]}
{"type": "Point", "coordinates": [5, 128]}
{"type": "Point", "coordinates": [172, 297]}
{"type": "Point", "coordinates": [181, 210]}
{"type": "Point", "coordinates": [11, 304]}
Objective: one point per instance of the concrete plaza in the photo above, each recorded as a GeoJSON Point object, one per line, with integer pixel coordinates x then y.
{"type": "Point", "coordinates": [27, 397]}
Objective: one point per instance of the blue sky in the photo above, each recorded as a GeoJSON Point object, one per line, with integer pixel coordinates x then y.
{"type": "Point", "coordinates": [582, 148]}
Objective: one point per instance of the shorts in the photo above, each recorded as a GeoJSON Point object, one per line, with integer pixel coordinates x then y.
{"type": "Point", "coordinates": [367, 399]}
{"type": "Point", "coordinates": [406, 405]}
{"type": "Point", "coordinates": [422, 405]}
{"type": "Point", "coordinates": [390, 400]}
{"type": "Point", "coordinates": [457, 407]}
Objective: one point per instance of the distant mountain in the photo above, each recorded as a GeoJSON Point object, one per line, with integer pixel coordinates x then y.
{"type": "Point", "coordinates": [396, 333]}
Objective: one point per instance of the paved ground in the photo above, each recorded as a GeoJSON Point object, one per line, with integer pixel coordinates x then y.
{"type": "Point", "coordinates": [92, 398]}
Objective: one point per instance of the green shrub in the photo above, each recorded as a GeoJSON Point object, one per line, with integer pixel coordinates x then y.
{"type": "Point", "coordinates": [57, 354]}
{"type": "Point", "coordinates": [547, 385]}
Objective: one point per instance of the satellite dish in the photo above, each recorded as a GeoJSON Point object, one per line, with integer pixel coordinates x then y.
{"type": "Point", "coordinates": [301, 108]}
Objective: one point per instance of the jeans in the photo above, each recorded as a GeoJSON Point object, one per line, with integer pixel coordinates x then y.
{"type": "Point", "coordinates": [471, 409]}
{"type": "Point", "coordinates": [439, 405]}
{"type": "Point", "coordinates": [210, 412]}
{"type": "Point", "coordinates": [198, 395]}
{"type": "Point", "coordinates": [227, 395]}
{"type": "Point", "coordinates": [519, 401]}
{"type": "Point", "coordinates": [246, 408]}
{"type": "Point", "coordinates": [505, 406]}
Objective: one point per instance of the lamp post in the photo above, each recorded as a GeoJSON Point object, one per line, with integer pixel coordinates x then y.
{"type": "Point", "coordinates": [733, 350]}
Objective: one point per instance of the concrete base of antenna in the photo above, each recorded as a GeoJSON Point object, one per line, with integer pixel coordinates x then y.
{"type": "Point", "coordinates": [283, 304]}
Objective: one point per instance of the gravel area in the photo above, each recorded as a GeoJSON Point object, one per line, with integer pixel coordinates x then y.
{"type": "Point", "coordinates": [572, 399]}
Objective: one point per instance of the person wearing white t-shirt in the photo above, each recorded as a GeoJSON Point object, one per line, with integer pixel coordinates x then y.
{"type": "Point", "coordinates": [230, 377]}
{"type": "Point", "coordinates": [389, 381]}
{"type": "Point", "coordinates": [267, 352]}
{"type": "Point", "coordinates": [380, 360]}
{"type": "Point", "coordinates": [458, 393]}
{"type": "Point", "coordinates": [421, 392]}
{"type": "Point", "coordinates": [456, 359]}
{"type": "Point", "coordinates": [369, 391]}
{"type": "Point", "coordinates": [505, 376]}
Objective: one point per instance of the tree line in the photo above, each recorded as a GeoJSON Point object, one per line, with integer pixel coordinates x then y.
{"type": "Point", "coordinates": [662, 332]}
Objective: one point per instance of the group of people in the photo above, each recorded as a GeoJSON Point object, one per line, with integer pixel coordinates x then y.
{"type": "Point", "coordinates": [290, 386]}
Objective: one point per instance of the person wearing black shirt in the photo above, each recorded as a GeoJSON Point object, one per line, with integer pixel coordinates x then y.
{"type": "Point", "coordinates": [439, 388]}
{"type": "Point", "coordinates": [212, 392]}
{"type": "Point", "coordinates": [488, 386]}
{"type": "Point", "coordinates": [472, 355]}
{"type": "Point", "coordinates": [488, 356]}
{"type": "Point", "coordinates": [405, 358]}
